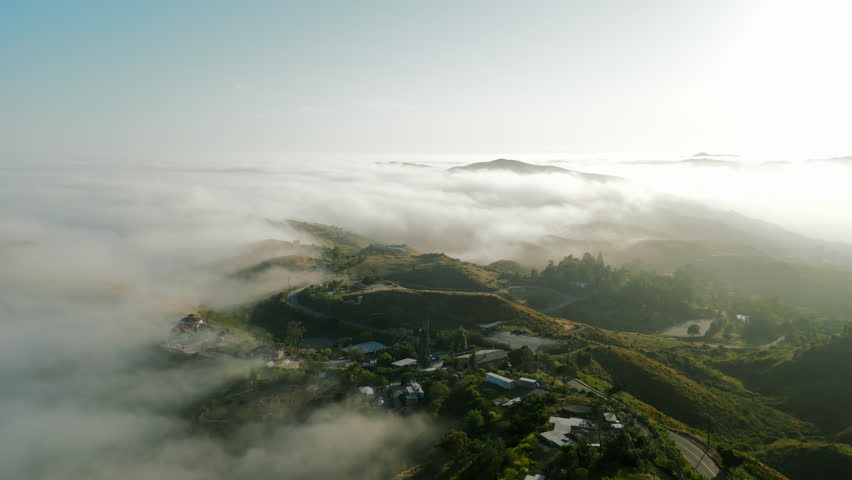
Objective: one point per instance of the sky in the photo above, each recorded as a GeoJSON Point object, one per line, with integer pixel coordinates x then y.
{"type": "Point", "coordinates": [116, 80]}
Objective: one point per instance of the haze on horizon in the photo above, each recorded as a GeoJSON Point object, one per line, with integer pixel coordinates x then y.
{"type": "Point", "coordinates": [112, 80]}
{"type": "Point", "coordinates": [143, 146]}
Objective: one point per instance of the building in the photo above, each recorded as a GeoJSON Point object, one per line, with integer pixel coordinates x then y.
{"type": "Point", "coordinates": [537, 476]}
{"type": "Point", "coordinates": [611, 418]}
{"type": "Point", "coordinates": [563, 428]}
{"type": "Point", "coordinates": [558, 438]}
{"type": "Point", "coordinates": [405, 362]}
{"type": "Point", "coordinates": [490, 326]}
{"type": "Point", "coordinates": [527, 382]}
{"type": "Point", "coordinates": [570, 423]}
{"type": "Point", "coordinates": [413, 391]}
{"type": "Point", "coordinates": [499, 380]}
{"type": "Point", "coordinates": [485, 356]}
{"type": "Point", "coordinates": [367, 347]}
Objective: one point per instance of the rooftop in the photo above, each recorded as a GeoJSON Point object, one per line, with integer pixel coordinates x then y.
{"type": "Point", "coordinates": [367, 347]}
{"type": "Point", "coordinates": [558, 438]}
{"type": "Point", "coordinates": [404, 362]}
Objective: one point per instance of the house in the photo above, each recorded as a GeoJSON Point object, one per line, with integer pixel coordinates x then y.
{"type": "Point", "coordinates": [611, 418]}
{"type": "Point", "coordinates": [405, 362]}
{"type": "Point", "coordinates": [558, 438]}
{"type": "Point", "coordinates": [367, 347]}
{"type": "Point", "coordinates": [562, 429]}
{"type": "Point", "coordinates": [367, 391]}
{"type": "Point", "coordinates": [512, 402]}
{"type": "Point", "coordinates": [527, 382]}
{"type": "Point", "coordinates": [499, 380]}
{"type": "Point", "coordinates": [567, 424]}
{"type": "Point", "coordinates": [413, 391]}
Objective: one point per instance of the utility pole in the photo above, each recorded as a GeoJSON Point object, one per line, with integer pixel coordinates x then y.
{"type": "Point", "coordinates": [709, 419]}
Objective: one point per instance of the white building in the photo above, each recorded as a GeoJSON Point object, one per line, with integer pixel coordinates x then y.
{"type": "Point", "coordinates": [405, 362]}
{"type": "Point", "coordinates": [499, 380]}
{"type": "Point", "coordinates": [528, 382]}
{"type": "Point", "coordinates": [562, 428]}
{"type": "Point", "coordinates": [611, 418]}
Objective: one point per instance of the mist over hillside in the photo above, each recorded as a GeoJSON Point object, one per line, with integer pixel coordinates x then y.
{"type": "Point", "coordinates": [98, 259]}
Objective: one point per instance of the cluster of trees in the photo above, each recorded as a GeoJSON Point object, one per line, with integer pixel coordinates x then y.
{"type": "Point", "coordinates": [620, 298]}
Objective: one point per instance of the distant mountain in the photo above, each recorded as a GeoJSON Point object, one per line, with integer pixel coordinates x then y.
{"type": "Point", "coordinates": [404, 164]}
{"type": "Point", "coordinates": [523, 168]}
{"type": "Point", "coordinates": [696, 161]}
{"type": "Point", "coordinates": [705, 154]}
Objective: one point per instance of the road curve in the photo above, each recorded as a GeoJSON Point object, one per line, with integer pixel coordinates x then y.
{"type": "Point", "coordinates": [697, 458]}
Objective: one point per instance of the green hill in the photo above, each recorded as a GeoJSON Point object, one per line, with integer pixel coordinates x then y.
{"type": "Point", "coordinates": [813, 383]}
{"type": "Point", "coordinates": [509, 267]}
{"type": "Point", "coordinates": [807, 460]}
{"type": "Point", "coordinates": [400, 307]}
{"type": "Point", "coordinates": [293, 263]}
{"type": "Point", "coordinates": [440, 272]}
{"type": "Point", "coordinates": [739, 416]}
{"type": "Point", "coordinates": [330, 235]}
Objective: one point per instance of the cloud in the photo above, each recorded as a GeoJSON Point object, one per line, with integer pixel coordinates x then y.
{"type": "Point", "coordinates": [98, 261]}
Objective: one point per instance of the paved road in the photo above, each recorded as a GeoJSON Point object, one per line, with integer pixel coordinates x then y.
{"type": "Point", "coordinates": [694, 455]}
{"type": "Point", "coordinates": [697, 458]}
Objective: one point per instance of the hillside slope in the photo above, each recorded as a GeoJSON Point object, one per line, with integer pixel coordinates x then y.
{"type": "Point", "coordinates": [394, 308]}
{"type": "Point", "coordinates": [813, 384]}
{"type": "Point", "coordinates": [739, 416]}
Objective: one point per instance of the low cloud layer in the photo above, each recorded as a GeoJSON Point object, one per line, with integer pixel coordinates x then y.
{"type": "Point", "coordinates": [99, 259]}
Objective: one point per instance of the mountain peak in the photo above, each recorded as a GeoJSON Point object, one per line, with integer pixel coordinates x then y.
{"type": "Point", "coordinates": [523, 168]}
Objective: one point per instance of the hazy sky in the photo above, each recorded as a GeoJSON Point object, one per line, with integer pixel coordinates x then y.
{"type": "Point", "coordinates": [126, 78]}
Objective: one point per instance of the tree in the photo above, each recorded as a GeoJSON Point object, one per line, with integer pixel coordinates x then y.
{"type": "Point", "coordinates": [522, 358]}
{"type": "Point", "coordinates": [474, 421]}
{"type": "Point", "coordinates": [455, 442]}
{"type": "Point", "coordinates": [295, 332]}
{"type": "Point", "coordinates": [384, 359]}
{"type": "Point", "coordinates": [438, 393]}
{"type": "Point", "coordinates": [693, 330]}
{"type": "Point", "coordinates": [453, 340]}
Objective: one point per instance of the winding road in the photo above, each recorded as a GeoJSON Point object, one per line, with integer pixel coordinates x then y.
{"type": "Point", "coordinates": [697, 457]}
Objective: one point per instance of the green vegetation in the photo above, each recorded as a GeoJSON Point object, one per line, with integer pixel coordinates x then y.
{"type": "Point", "coordinates": [753, 402]}
{"type": "Point", "coordinates": [404, 308]}
{"type": "Point", "coordinates": [739, 417]}
{"type": "Point", "coordinates": [803, 460]}
{"type": "Point", "coordinates": [813, 382]}
{"type": "Point", "coordinates": [331, 236]}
